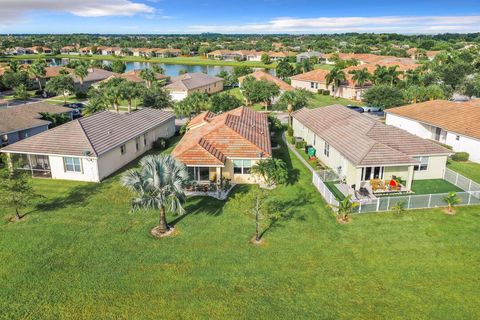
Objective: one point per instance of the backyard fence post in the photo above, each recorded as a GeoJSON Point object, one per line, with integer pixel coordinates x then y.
{"type": "Point", "coordinates": [456, 180]}
{"type": "Point", "coordinates": [331, 198]}
{"type": "Point", "coordinates": [360, 207]}
{"type": "Point", "coordinates": [388, 203]}
{"type": "Point", "coordinates": [469, 185]}
{"type": "Point", "coordinates": [408, 205]}
{"type": "Point", "coordinates": [469, 197]}
{"type": "Point", "coordinates": [429, 200]}
{"type": "Point", "coordinates": [378, 204]}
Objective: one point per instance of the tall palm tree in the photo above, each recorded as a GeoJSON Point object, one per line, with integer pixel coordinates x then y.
{"type": "Point", "coordinates": [159, 184]}
{"type": "Point", "coordinates": [289, 97]}
{"type": "Point", "coordinates": [393, 75]}
{"type": "Point", "coordinates": [113, 91]}
{"type": "Point", "coordinates": [81, 71]}
{"type": "Point", "coordinates": [148, 75]}
{"type": "Point", "coordinates": [129, 91]}
{"type": "Point", "coordinates": [335, 77]}
{"type": "Point", "coordinates": [360, 76]}
{"type": "Point", "coordinates": [38, 71]}
{"type": "Point", "coordinates": [380, 75]}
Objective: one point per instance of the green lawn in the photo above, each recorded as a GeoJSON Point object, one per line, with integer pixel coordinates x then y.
{"type": "Point", "coordinates": [433, 186]}
{"type": "Point", "coordinates": [319, 100]}
{"type": "Point", "coordinates": [470, 170]}
{"type": "Point", "coordinates": [81, 253]}
{"type": "Point", "coordinates": [324, 66]}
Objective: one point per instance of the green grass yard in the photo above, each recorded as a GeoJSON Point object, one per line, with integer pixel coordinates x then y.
{"type": "Point", "coordinates": [470, 170]}
{"type": "Point", "coordinates": [433, 186]}
{"type": "Point", "coordinates": [81, 253]}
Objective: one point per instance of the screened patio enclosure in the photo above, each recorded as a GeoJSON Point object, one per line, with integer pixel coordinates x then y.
{"type": "Point", "coordinates": [37, 165]}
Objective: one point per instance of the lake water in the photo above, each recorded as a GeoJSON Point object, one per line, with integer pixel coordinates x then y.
{"type": "Point", "coordinates": [171, 70]}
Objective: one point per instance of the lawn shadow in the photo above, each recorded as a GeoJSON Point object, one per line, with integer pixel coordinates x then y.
{"type": "Point", "coordinates": [200, 205]}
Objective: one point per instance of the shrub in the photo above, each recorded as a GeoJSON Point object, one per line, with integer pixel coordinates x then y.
{"type": "Point", "coordinates": [160, 144]}
{"type": "Point", "coordinates": [80, 95]}
{"type": "Point", "coordinates": [320, 91]}
{"type": "Point", "coordinates": [326, 92]}
{"type": "Point", "coordinates": [290, 132]}
{"type": "Point", "coordinates": [461, 156]}
{"type": "Point", "coordinates": [300, 144]}
{"type": "Point", "coordinates": [183, 129]}
{"type": "Point", "coordinates": [291, 139]}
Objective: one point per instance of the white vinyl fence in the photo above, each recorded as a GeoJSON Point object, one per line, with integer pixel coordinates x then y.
{"type": "Point", "coordinates": [471, 196]}
{"type": "Point", "coordinates": [323, 189]}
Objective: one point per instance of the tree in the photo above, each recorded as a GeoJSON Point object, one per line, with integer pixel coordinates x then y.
{"type": "Point", "coordinates": [160, 185]}
{"type": "Point", "coordinates": [265, 58]}
{"type": "Point", "coordinates": [257, 204]}
{"type": "Point", "coordinates": [293, 100]}
{"type": "Point", "coordinates": [148, 75]}
{"type": "Point", "coordinates": [240, 71]}
{"type": "Point", "coordinates": [229, 79]}
{"type": "Point", "coordinates": [224, 101]}
{"type": "Point", "coordinates": [37, 70]}
{"type": "Point", "coordinates": [344, 209]}
{"type": "Point", "coordinates": [284, 69]}
{"type": "Point", "coordinates": [157, 68]}
{"type": "Point", "coordinates": [12, 79]}
{"type": "Point", "coordinates": [55, 119]}
{"type": "Point", "coordinates": [434, 91]}
{"type": "Point", "coordinates": [471, 87]}
{"type": "Point", "coordinates": [259, 91]}
{"type": "Point", "coordinates": [118, 66]}
{"type": "Point", "coordinates": [97, 102]}
{"type": "Point", "coordinates": [16, 190]}
{"type": "Point", "coordinates": [305, 66]}
{"type": "Point", "coordinates": [361, 76]}
{"type": "Point", "coordinates": [393, 75]}
{"type": "Point", "coordinates": [272, 170]}
{"type": "Point", "coordinates": [81, 71]}
{"type": "Point", "coordinates": [157, 98]}
{"type": "Point", "coordinates": [129, 91]}
{"type": "Point", "coordinates": [383, 96]}
{"type": "Point", "coordinates": [61, 85]}
{"type": "Point", "coordinates": [112, 91]}
{"type": "Point", "coordinates": [192, 104]}
{"type": "Point", "coordinates": [414, 94]}
{"type": "Point", "coordinates": [182, 71]}
{"type": "Point", "coordinates": [20, 92]}
{"type": "Point", "coordinates": [451, 199]}
{"type": "Point", "coordinates": [335, 77]}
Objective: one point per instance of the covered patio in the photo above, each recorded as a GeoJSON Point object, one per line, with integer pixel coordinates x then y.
{"type": "Point", "coordinates": [37, 165]}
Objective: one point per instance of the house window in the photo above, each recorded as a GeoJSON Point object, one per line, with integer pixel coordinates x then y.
{"type": "Point", "coordinates": [372, 173]}
{"type": "Point", "coordinates": [145, 140]}
{"type": "Point", "coordinates": [199, 173]}
{"type": "Point", "coordinates": [123, 149]}
{"type": "Point", "coordinates": [457, 138]}
{"type": "Point", "coordinates": [423, 164]}
{"type": "Point", "coordinates": [242, 166]}
{"type": "Point", "coordinates": [137, 143]}
{"type": "Point", "coordinates": [326, 149]}
{"type": "Point", "coordinates": [72, 164]}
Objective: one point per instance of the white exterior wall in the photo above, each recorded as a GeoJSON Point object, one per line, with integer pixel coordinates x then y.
{"type": "Point", "coordinates": [419, 129]}
{"type": "Point", "coordinates": [464, 144]}
{"type": "Point", "coordinates": [113, 160]}
{"type": "Point", "coordinates": [89, 169]}
{"type": "Point", "coordinates": [178, 95]}
{"type": "Point", "coordinates": [209, 89]}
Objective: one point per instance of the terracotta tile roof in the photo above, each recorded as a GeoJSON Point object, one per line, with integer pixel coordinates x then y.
{"type": "Point", "coordinates": [134, 76]}
{"type": "Point", "coordinates": [96, 134]}
{"type": "Point", "coordinates": [239, 133]}
{"type": "Point", "coordinates": [363, 140]}
{"type": "Point", "coordinates": [55, 71]}
{"type": "Point", "coordinates": [191, 81]}
{"type": "Point", "coordinates": [263, 75]}
{"type": "Point", "coordinates": [458, 117]}
{"type": "Point", "coordinates": [317, 75]}
{"type": "Point", "coordinates": [27, 116]}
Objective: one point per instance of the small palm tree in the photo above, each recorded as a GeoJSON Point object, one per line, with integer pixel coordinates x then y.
{"type": "Point", "coordinates": [272, 170]}
{"type": "Point", "coordinates": [451, 199]}
{"type": "Point", "coordinates": [345, 208]}
{"type": "Point", "coordinates": [361, 76]}
{"type": "Point", "coordinates": [290, 98]}
{"type": "Point", "coordinates": [38, 71]}
{"type": "Point", "coordinates": [159, 184]}
{"type": "Point", "coordinates": [130, 91]}
{"type": "Point", "coordinates": [335, 77]}
{"type": "Point", "coordinates": [148, 75]}
{"type": "Point", "coordinates": [81, 71]}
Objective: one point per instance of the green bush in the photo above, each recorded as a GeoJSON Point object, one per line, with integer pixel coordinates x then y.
{"type": "Point", "coordinates": [160, 144]}
{"type": "Point", "coordinates": [80, 95]}
{"type": "Point", "coordinates": [291, 139]}
{"type": "Point", "coordinates": [326, 92]}
{"type": "Point", "coordinates": [320, 91]}
{"type": "Point", "coordinates": [461, 156]}
{"type": "Point", "coordinates": [290, 131]}
{"type": "Point", "coordinates": [300, 144]}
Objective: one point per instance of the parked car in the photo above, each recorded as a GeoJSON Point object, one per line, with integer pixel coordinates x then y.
{"type": "Point", "coordinates": [356, 108]}
{"type": "Point", "coordinates": [371, 109]}
{"type": "Point", "coordinates": [74, 105]}
{"type": "Point", "coordinates": [44, 94]}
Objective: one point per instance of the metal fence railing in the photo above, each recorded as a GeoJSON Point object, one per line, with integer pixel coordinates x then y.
{"type": "Point", "coordinates": [460, 181]}
{"type": "Point", "coordinates": [324, 191]}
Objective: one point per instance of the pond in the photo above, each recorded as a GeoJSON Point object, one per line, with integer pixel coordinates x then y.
{"type": "Point", "coordinates": [171, 70]}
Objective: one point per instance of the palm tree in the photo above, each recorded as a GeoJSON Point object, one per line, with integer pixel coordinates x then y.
{"type": "Point", "coordinates": [129, 91]}
{"type": "Point", "coordinates": [361, 76]}
{"type": "Point", "coordinates": [393, 75]}
{"type": "Point", "coordinates": [112, 90]}
{"type": "Point", "coordinates": [335, 77]}
{"type": "Point", "coordinates": [81, 71]}
{"type": "Point", "coordinates": [38, 71]}
{"type": "Point", "coordinates": [412, 77]}
{"type": "Point", "coordinates": [159, 184]}
{"type": "Point", "coordinates": [272, 170]}
{"type": "Point", "coordinates": [451, 199]}
{"type": "Point", "coordinates": [289, 97]}
{"type": "Point", "coordinates": [148, 75]}
{"type": "Point", "coordinates": [380, 75]}
{"type": "Point", "coordinates": [344, 208]}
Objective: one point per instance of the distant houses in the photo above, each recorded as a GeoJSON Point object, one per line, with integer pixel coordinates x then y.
{"type": "Point", "coordinates": [183, 85]}
{"type": "Point", "coordinates": [308, 55]}
{"type": "Point", "coordinates": [452, 123]}
{"type": "Point", "coordinates": [248, 55]}
{"type": "Point", "coordinates": [91, 148]}
{"type": "Point", "coordinates": [20, 122]}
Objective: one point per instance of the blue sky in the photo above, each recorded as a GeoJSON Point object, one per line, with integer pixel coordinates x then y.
{"type": "Point", "coordinates": [243, 16]}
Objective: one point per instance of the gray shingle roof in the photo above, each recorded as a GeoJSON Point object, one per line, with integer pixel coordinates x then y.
{"type": "Point", "coordinates": [363, 140]}
{"type": "Point", "coordinates": [190, 81]}
{"type": "Point", "coordinates": [27, 116]}
{"type": "Point", "coordinates": [96, 134]}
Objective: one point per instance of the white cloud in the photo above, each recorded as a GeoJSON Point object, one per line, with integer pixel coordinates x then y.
{"type": "Point", "coordinates": [12, 11]}
{"type": "Point", "coordinates": [398, 24]}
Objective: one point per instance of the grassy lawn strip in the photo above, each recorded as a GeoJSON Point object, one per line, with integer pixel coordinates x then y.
{"type": "Point", "coordinates": [81, 253]}
{"type": "Point", "coordinates": [468, 169]}
{"type": "Point", "coordinates": [337, 193]}
{"type": "Point", "coordinates": [320, 100]}
{"type": "Point", "coordinates": [433, 186]}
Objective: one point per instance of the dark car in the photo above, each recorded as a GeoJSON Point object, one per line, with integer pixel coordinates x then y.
{"type": "Point", "coordinates": [356, 108]}
{"type": "Point", "coordinates": [74, 105]}
{"type": "Point", "coordinates": [44, 94]}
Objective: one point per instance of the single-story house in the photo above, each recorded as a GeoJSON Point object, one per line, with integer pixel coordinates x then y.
{"type": "Point", "coordinates": [91, 148]}
{"type": "Point", "coordinates": [452, 123]}
{"type": "Point", "coordinates": [180, 87]}
{"type": "Point", "coordinates": [134, 76]}
{"type": "Point", "coordinates": [20, 122]}
{"type": "Point", "coordinates": [416, 54]}
{"type": "Point", "coordinates": [94, 75]}
{"type": "Point", "coordinates": [15, 51]}
{"type": "Point", "coordinates": [227, 55]}
{"type": "Point", "coordinates": [307, 55]}
{"type": "Point", "coordinates": [225, 145]}
{"type": "Point", "coordinates": [361, 149]}
{"type": "Point", "coordinates": [263, 75]}
{"type": "Point", "coordinates": [312, 81]}
{"type": "Point", "coordinates": [166, 53]}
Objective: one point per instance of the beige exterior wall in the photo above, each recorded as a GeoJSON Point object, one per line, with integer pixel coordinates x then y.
{"type": "Point", "coordinates": [212, 88]}
{"type": "Point", "coordinates": [300, 84]}
{"type": "Point", "coordinates": [435, 169]}
{"type": "Point", "coordinates": [89, 169]}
